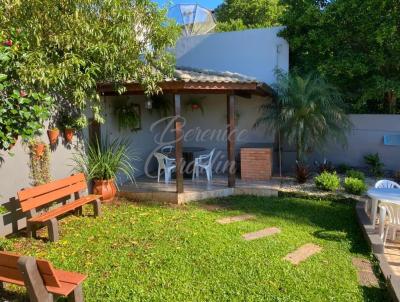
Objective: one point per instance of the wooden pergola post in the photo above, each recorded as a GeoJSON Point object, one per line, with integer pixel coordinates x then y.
{"type": "Point", "coordinates": [231, 140]}
{"type": "Point", "coordinates": [178, 143]}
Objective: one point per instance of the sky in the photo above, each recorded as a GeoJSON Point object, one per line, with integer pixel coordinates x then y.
{"type": "Point", "coordinates": [210, 4]}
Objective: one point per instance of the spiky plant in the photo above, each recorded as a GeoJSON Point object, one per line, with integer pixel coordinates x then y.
{"type": "Point", "coordinates": [105, 160]}
{"type": "Point", "coordinates": [307, 111]}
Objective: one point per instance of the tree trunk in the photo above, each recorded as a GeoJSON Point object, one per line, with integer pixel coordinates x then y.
{"type": "Point", "coordinates": [391, 101]}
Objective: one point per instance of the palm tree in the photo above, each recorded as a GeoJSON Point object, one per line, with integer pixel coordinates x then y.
{"type": "Point", "coordinates": [306, 111]}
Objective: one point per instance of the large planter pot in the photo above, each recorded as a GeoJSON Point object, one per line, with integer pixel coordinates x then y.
{"type": "Point", "coordinates": [69, 134]}
{"type": "Point", "coordinates": [53, 135]}
{"type": "Point", "coordinates": [105, 188]}
{"type": "Point", "coordinates": [38, 149]}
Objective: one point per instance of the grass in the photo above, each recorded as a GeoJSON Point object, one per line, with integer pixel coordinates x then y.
{"type": "Point", "coordinates": [163, 253]}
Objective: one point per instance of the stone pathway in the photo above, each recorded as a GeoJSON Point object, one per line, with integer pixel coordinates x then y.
{"type": "Point", "coordinates": [261, 233]}
{"type": "Point", "coordinates": [302, 253]}
{"type": "Point", "coordinates": [231, 219]}
{"type": "Point", "coordinates": [366, 276]}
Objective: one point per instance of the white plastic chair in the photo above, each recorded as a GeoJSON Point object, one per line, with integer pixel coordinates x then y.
{"type": "Point", "coordinates": [165, 164]}
{"type": "Point", "coordinates": [204, 162]}
{"type": "Point", "coordinates": [167, 149]}
{"type": "Point", "coordinates": [389, 219]}
{"type": "Point", "coordinates": [381, 184]}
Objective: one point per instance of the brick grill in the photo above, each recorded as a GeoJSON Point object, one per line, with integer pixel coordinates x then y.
{"type": "Point", "coordinates": [256, 163]}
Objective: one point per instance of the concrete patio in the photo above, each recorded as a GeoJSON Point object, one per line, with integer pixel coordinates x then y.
{"type": "Point", "coordinates": [148, 189]}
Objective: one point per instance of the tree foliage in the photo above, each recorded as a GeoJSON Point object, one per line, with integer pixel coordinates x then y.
{"type": "Point", "coordinates": [243, 14]}
{"type": "Point", "coordinates": [355, 44]}
{"type": "Point", "coordinates": [307, 112]}
{"type": "Point", "coordinates": [22, 110]}
{"type": "Point", "coordinates": [70, 46]}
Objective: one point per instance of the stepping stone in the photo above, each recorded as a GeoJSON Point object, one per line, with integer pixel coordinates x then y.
{"type": "Point", "coordinates": [261, 233]}
{"type": "Point", "coordinates": [231, 219]}
{"type": "Point", "coordinates": [366, 276]}
{"type": "Point", "coordinates": [302, 253]}
{"type": "Point", "coordinates": [213, 207]}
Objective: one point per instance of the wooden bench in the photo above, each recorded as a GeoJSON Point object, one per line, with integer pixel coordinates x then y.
{"type": "Point", "coordinates": [43, 195]}
{"type": "Point", "coordinates": [42, 281]}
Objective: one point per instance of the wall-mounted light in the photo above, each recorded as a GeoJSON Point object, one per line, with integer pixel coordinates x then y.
{"type": "Point", "coordinates": [148, 104]}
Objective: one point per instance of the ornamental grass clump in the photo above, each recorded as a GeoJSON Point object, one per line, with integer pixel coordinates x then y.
{"type": "Point", "coordinates": [354, 185]}
{"type": "Point", "coordinates": [327, 181]}
{"type": "Point", "coordinates": [105, 160]}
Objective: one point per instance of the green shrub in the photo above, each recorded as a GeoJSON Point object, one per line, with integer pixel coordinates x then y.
{"type": "Point", "coordinates": [327, 181]}
{"type": "Point", "coordinates": [355, 174]}
{"type": "Point", "coordinates": [354, 185]}
{"type": "Point", "coordinates": [375, 164]}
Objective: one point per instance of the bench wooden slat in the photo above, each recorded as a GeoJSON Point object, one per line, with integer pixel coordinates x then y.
{"type": "Point", "coordinates": [66, 281]}
{"type": "Point", "coordinates": [10, 260]}
{"type": "Point", "coordinates": [64, 209]}
{"type": "Point", "coordinates": [51, 196]}
{"type": "Point", "coordinates": [54, 185]}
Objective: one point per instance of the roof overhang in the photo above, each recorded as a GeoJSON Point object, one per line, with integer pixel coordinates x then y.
{"type": "Point", "coordinates": [182, 87]}
{"type": "Point", "coordinates": [188, 80]}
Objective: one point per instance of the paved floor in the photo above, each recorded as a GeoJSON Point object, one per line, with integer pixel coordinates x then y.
{"type": "Point", "coordinates": [392, 255]}
{"type": "Point", "coordinates": [145, 184]}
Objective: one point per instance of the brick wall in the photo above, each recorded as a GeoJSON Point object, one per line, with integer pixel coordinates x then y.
{"type": "Point", "coordinates": [256, 163]}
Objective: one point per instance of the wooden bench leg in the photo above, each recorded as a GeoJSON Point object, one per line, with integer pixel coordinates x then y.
{"type": "Point", "coordinates": [30, 230]}
{"type": "Point", "coordinates": [33, 280]}
{"type": "Point", "coordinates": [78, 211]}
{"type": "Point", "coordinates": [97, 207]}
{"type": "Point", "coordinates": [76, 295]}
{"type": "Point", "coordinates": [52, 227]}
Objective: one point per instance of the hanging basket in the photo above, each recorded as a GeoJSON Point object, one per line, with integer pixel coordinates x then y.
{"type": "Point", "coordinates": [53, 135]}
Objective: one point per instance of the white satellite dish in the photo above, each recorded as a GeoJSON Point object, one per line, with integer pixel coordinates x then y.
{"type": "Point", "coordinates": [194, 19]}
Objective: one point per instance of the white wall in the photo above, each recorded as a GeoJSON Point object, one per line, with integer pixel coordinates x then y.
{"type": "Point", "coordinates": [255, 52]}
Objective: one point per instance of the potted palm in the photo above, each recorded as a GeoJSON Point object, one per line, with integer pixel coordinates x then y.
{"type": "Point", "coordinates": [102, 162]}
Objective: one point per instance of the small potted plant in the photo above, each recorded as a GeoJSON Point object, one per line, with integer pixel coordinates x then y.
{"type": "Point", "coordinates": [37, 147]}
{"type": "Point", "coordinates": [102, 162]}
{"type": "Point", "coordinates": [195, 104]}
{"type": "Point", "coordinates": [53, 134]}
{"type": "Point", "coordinates": [71, 124]}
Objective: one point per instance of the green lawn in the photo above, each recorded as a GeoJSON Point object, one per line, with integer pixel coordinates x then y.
{"type": "Point", "coordinates": [162, 253]}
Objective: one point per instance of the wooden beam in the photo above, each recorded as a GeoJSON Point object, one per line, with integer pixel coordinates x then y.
{"type": "Point", "coordinates": [231, 140]}
{"type": "Point", "coordinates": [178, 143]}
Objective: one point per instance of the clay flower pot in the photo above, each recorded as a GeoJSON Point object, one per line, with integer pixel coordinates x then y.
{"type": "Point", "coordinates": [53, 135]}
{"type": "Point", "coordinates": [106, 188]}
{"type": "Point", "coordinates": [195, 106]}
{"type": "Point", "coordinates": [69, 134]}
{"type": "Point", "coordinates": [38, 149]}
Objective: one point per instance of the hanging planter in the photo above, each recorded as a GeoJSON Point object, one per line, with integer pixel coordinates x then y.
{"type": "Point", "coordinates": [128, 115]}
{"type": "Point", "coordinates": [39, 162]}
{"type": "Point", "coordinates": [69, 134]}
{"type": "Point", "coordinates": [195, 104]}
{"type": "Point", "coordinates": [53, 135]}
{"type": "Point", "coordinates": [38, 149]}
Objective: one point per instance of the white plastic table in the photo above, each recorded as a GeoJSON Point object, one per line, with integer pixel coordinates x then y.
{"type": "Point", "coordinates": [382, 194]}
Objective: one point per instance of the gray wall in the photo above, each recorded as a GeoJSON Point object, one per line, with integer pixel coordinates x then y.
{"type": "Point", "coordinates": [367, 137]}
{"type": "Point", "coordinates": [255, 52]}
{"type": "Point", "coordinates": [15, 175]}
